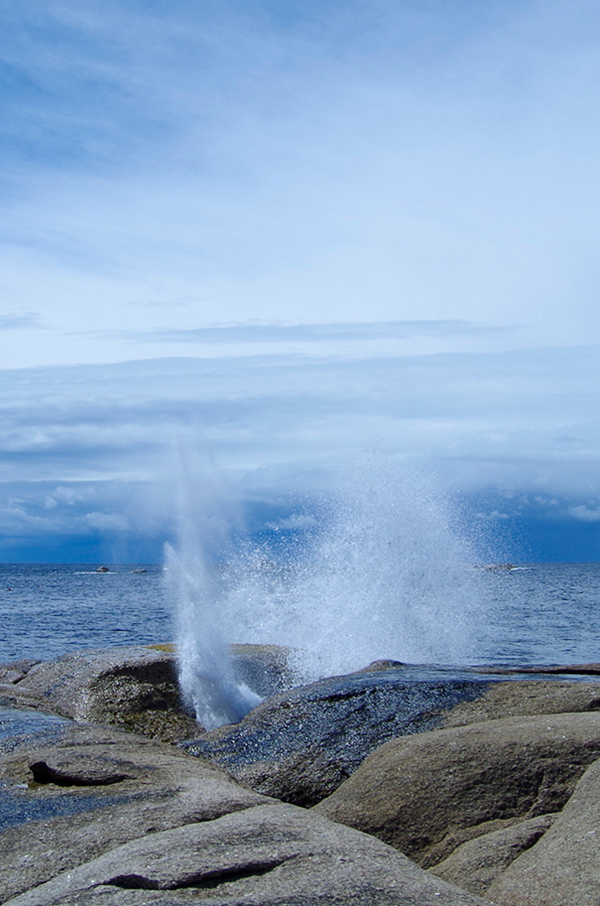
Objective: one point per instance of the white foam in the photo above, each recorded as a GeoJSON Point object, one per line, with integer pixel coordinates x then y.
{"type": "Point", "coordinates": [385, 577]}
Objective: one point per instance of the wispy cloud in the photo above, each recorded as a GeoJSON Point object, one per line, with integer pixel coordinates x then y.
{"type": "Point", "coordinates": [19, 320]}
{"type": "Point", "coordinates": [328, 161]}
{"type": "Point", "coordinates": [330, 333]}
{"type": "Point", "coordinates": [585, 513]}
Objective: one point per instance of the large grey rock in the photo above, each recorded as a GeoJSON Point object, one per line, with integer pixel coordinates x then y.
{"type": "Point", "coordinates": [121, 820]}
{"type": "Point", "coordinates": [424, 794]}
{"type": "Point", "coordinates": [275, 854]}
{"type": "Point", "coordinates": [135, 688]}
{"type": "Point", "coordinates": [474, 865]}
{"type": "Point", "coordinates": [299, 746]}
{"type": "Point", "coordinates": [563, 868]}
{"type": "Point", "coordinates": [97, 815]}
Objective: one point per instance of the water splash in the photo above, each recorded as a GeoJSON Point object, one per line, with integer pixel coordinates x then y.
{"type": "Point", "coordinates": [388, 574]}
{"type": "Point", "coordinates": [385, 573]}
{"type": "Point", "coordinates": [206, 676]}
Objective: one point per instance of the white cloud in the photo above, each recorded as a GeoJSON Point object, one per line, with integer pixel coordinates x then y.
{"type": "Point", "coordinates": [106, 522]}
{"type": "Point", "coordinates": [19, 320]}
{"type": "Point", "coordinates": [584, 513]}
{"type": "Point", "coordinates": [17, 521]}
{"type": "Point", "coordinates": [63, 495]}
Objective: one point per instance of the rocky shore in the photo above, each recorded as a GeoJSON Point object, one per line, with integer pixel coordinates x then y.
{"type": "Point", "coordinates": [395, 785]}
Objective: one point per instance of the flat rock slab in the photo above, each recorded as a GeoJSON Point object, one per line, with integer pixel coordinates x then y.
{"type": "Point", "coordinates": [271, 854]}
{"type": "Point", "coordinates": [299, 746]}
{"type": "Point", "coordinates": [425, 794]}
{"type": "Point", "coordinates": [592, 669]}
{"type": "Point", "coordinates": [527, 698]}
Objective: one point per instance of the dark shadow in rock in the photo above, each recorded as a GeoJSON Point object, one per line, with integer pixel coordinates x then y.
{"type": "Point", "coordinates": [80, 771]}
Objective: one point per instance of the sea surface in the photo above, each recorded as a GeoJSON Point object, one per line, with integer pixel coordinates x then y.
{"type": "Point", "coordinates": [546, 613]}
{"type": "Point", "coordinates": [47, 609]}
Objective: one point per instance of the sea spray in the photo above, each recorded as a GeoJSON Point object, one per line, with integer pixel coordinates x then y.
{"type": "Point", "coordinates": [386, 574]}
{"type": "Point", "coordinates": [382, 572]}
{"type": "Point", "coordinates": [206, 676]}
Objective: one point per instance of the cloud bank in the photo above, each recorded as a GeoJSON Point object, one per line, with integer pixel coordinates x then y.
{"type": "Point", "coordinates": [89, 453]}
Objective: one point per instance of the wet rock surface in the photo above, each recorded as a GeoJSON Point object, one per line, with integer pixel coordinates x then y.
{"type": "Point", "coordinates": [299, 746]}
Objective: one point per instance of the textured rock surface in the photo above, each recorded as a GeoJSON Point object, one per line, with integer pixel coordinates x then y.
{"type": "Point", "coordinates": [83, 816]}
{"type": "Point", "coordinates": [173, 830]}
{"type": "Point", "coordinates": [269, 854]}
{"type": "Point", "coordinates": [525, 697]}
{"type": "Point", "coordinates": [94, 814]}
{"type": "Point", "coordinates": [563, 869]}
{"type": "Point", "coordinates": [134, 688]}
{"type": "Point", "coordinates": [300, 745]}
{"type": "Point", "coordinates": [476, 863]}
{"type": "Point", "coordinates": [420, 792]}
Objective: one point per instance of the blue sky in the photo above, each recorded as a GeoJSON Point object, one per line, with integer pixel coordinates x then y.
{"type": "Point", "coordinates": [280, 235]}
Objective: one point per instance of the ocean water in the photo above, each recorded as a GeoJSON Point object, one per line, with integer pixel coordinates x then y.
{"type": "Point", "coordinates": [50, 609]}
{"type": "Point", "coordinates": [547, 613]}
